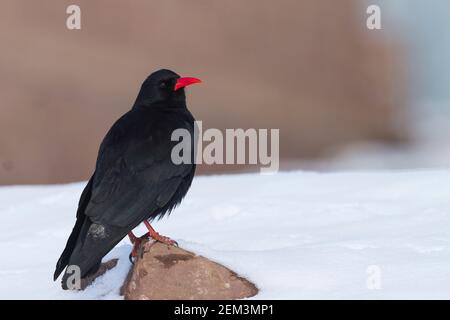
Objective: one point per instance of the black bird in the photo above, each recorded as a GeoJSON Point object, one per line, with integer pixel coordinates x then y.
{"type": "Point", "coordinates": [135, 179]}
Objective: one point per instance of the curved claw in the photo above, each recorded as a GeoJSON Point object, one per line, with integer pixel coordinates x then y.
{"type": "Point", "coordinates": [130, 257]}
{"type": "Point", "coordinates": [164, 240]}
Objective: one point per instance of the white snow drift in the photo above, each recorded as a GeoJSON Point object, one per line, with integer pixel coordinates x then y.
{"type": "Point", "coordinates": [295, 235]}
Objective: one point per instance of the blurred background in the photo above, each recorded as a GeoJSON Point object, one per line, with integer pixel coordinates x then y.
{"type": "Point", "coordinates": [344, 97]}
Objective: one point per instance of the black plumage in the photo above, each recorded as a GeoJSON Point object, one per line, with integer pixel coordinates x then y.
{"type": "Point", "coordinates": [135, 178]}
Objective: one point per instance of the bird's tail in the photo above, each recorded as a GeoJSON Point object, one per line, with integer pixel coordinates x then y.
{"type": "Point", "coordinates": [71, 242]}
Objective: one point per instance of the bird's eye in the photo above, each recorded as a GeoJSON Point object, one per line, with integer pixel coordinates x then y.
{"type": "Point", "coordinates": [163, 85]}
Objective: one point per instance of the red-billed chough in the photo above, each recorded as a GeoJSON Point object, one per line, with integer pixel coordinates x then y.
{"type": "Point", "coordinates": [135, 179]}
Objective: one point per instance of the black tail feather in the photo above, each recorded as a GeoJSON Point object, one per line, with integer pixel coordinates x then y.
{"type": "Point", "coordinates": [71, 242]}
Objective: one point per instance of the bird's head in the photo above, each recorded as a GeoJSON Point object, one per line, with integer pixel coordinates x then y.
{"type": "Point", "coordinates": [164, 86]}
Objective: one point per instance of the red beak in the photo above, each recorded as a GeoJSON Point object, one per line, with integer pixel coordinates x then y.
{"type": "Point", "coordinates": [186, 81]}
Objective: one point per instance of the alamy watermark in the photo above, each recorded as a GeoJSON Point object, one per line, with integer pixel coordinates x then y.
{"type": "Point", "coordinates": [234, 146]}
{"type": "Point", "coordinates": [373, 281]}
{"type": "Point", "coordinates": [73, 21]}
{"type": "Point", "coordinates": [73, 281]}
{"type": "Point", "coordinates": [373, 21]}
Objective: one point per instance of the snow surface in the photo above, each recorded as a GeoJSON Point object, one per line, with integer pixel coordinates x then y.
{"type": "Point", "coordinates": [294, 234]}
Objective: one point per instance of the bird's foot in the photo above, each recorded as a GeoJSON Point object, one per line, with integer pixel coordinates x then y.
{"type": "Point", "coordinates": [157, 237]}
{"type": "Point", "coordinates": [151, 234]}
{"type": "Point", "coordinates": [136, 245]}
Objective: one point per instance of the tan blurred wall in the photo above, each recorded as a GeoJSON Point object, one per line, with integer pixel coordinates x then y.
{"type": "Point", "coordinates": [310, 68]}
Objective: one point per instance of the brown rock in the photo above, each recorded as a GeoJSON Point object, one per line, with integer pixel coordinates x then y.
{"type": "Point", "coordinates": [166, 272]}
{"type": "Point", "coordinates": [87, 281]}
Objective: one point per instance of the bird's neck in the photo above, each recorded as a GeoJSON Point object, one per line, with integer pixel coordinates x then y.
{"type": "Point", "coordinates": [166, 104]}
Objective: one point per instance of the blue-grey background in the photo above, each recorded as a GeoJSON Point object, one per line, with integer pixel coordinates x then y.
{"type": "Point", "coordinates": [424, 26]}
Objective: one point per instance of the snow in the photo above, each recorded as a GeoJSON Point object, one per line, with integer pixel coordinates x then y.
{"type": "Point", "coordinates": [359, 235]}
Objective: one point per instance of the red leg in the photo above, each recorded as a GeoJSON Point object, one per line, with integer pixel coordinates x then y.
{"type": "Point", "coordinates": [136, 243]}
{"type": "Point", "coordinates": [157, 237]}
{"type": "Point", "coordinates": [132, 237]}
